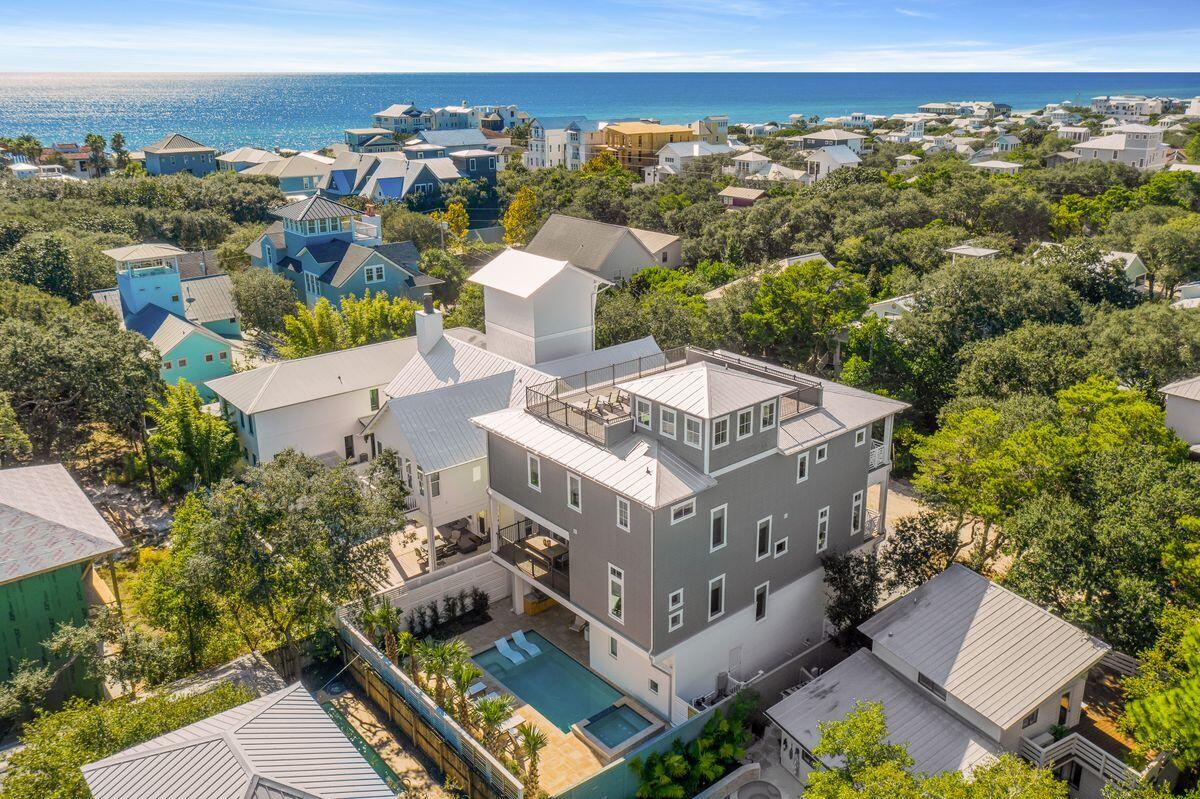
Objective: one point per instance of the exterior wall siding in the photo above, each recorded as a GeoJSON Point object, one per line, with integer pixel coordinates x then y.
{"type": "Point", "coordinates": [32, 609]}
{"type": "Point", "coordinates": [198, 371]}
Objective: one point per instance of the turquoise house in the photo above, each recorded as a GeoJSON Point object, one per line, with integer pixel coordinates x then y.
{"type": "Point", "coordinates": [331, 250]}
{"type": "Point", "coordinates": [190, 322]}
{"type": "Point", "coordinates": [177, 154]}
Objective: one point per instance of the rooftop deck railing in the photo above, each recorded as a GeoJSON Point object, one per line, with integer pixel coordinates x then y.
{"type": "Point", "coordinates": [591, 402]}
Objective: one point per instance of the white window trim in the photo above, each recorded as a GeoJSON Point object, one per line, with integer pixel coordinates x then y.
{"type": "Point", "coordinates": [620, 580]}
{"type": "Point", "coordinates": [856, 513]}
{"type": "Point", "coordinates": [738, 417]}
{"type": "Point", "coordinates": [672, 604]}
{"type": "Point", "coordinates": [374, 269]}
{"type": "Point", "coordinates": [822, 453]}
{"type": "Point", "coordinates": [712, 515]}
{"type": "Point", "coordinates": [530, 461]}
{"type": "Point", "coordinates": [802, 458]}
{"type": "Point", "coordinates": [622, 502]}
{"type": "Point", "coordinates": [638, 405]}
{"type": "Point", "coordinates": [708, 597]}
{"type": "Point", "coordinates": [663, 413]}
{"type": "Point", "coordinates": [571, 476]}
{"type": "Point", "coordinates": [770, 536]}
{"type": "Point", "coordinates": [674, 620]}
{"type": "Point", "coordinates": [762, 415]}
{"type": "Point", "coordinates": [766, 589]}
{"type": "Point", "coordinates": [780, 548]}
{"type": "Point", "coordinates": [699, 433]}
{"type": "Point", "coordinates": [713, 437]}
{"type": "Point", "coordinates": [612, 647]}
{"type": "Point", "coordinates": [690, 514]}
{"type": "Point", "coordinates": [860, 437]}
{"type": "Point", "coordinates": [823, 519]}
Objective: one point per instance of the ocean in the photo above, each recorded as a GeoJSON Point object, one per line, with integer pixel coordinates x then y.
{"type": "Point", "coordinates": [310, 110]}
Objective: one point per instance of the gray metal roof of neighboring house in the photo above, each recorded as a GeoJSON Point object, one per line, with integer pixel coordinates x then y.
{"type": "Point", "coordinates": [138, 252]}
{"type": "Point", "coordinates": [292, 382]}
{"type": "Point", "coordinates": [454, 138]}
{"type": "Point", "coordinates": [177, 143]}
{"type": "Point", "coordinates": [587, 243]}
{"type": "Point", "coordinates": [297, 166]}
{"type": "Point", "coordinates": [207, 299]}
{"type": "Point", "coordinates": [637, 467]}
{"type": "Point", "coordinates": [967, 249]}
{"type": "Point", "coordinates": [166, 330]}
{"type": "Point", "coordinates": [46, 522]}
{"type": "Point", "coordinates": [315, 207]}
{"type": "Point", "coordinates": [280, 745]}
{"type": "Point", "coordinates": [706, 390]}
{"type": "Point", "coordinates": [199, 263]}
{"type": "Point", "coordinates": [834, 134]}
{"type": "Point", "coordinates": [741, 193]}
{"type": "Point", "coordinates": [397, 109]}
{"type": "Point", "coordinates": [996, 652]}
{"type": "Point", "coordinates": [250, 155]}
{"type": "Point", "coordinates": [937, 740]}
{"type": "Point", "coordinates": [1189, 387]}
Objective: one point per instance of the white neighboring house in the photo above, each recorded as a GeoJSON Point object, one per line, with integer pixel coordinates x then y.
{"type": "Point", "coordinates": [569, 147]}
{"type": "Point", "coordinates": [1130, 263]}
{"type": "Point", "coordinates": [827, 160]}
{"type": "Point", "coordinates": [675, 158]}
{"type": "Point", "coordinates": [907, 162]}
{"type": "Point", "coordinates": [750, 163]}
{"type": "Point", "coordinates": [994, 167]}
{"type": "Point", "coordinates": [892, 308]}
{"type": "Point", "coordinates": [1076, 134]}
{"type": "Point", "coordinates": [1005, 143]}
{"type": "Point", "coordinates": [828, 138]}
{"type": "Point", "coordinates": [1127, 107]}
{"type": "Point", "coordinates": [1182, 399]}
{"type": "Point", "coordinates": [966, 670]}
{"type": "Point", "coordinates": [1139, 146]}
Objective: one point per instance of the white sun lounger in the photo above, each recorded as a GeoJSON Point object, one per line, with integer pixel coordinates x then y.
{"type": "Point", "coordinates": [505, 649]}
{"type": "Point", "coordinates": [528, 646]}
{"type": "Point", "coordinates": [476, 689]}
{"type": "Point", "coordinates": [513, 722]}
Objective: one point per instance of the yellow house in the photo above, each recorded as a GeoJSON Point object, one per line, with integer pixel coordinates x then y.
{"type": "Point", "coordinates": [636, 144]}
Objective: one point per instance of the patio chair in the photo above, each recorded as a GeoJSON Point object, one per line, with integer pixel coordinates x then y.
{"type": "Point", "coordinates": [503, 647]}
{"type": "Point", "coordinates": [578, 625]}
{"type": "Point", "coordinates": [514, 721]}
{"type": "Point", "coordinates": [476, 689]}
{"type": "Point", "coordinates": [528, 646]}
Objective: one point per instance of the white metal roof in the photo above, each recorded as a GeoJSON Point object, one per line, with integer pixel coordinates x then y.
{"type": "Point", "coordinates": [705, 389]}
{"type": "Point", "coordinates": [139, 252]}
{"type": "Point", "coordinates": [967, 249]}
{"type": "Point", "coordinates": [523, 274]}
{"type": "Point", "coordinates": [937, 740]}
{"type": "Point", "coordinates": [842, 408]}
{"type": "Point", "coordinates": [453, 360]}
{"type": "Point", "coordinates": [637, 467]}
{"type": "Point", "coordinates": [282, 745]}
{"type": "Point", "coordinates": [998, 653]}
{"type": "Point", "coordinates": [1189, 387]}
{"type": "Point", "coordinates": [46, 522]}
{"type": "Point", "coordinates": [248, 155]}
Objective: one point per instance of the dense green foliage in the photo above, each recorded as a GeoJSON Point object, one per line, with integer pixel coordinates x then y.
{"type": "Point", "coordinates": [323, 328]}
{"type": "Point", "coordinates": [189, 447]}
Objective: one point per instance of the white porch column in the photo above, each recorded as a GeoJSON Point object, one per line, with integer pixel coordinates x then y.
{"type": "Point", "coordinates": [518, 595]}
{"type": "Point", "coordinates": [431, 540]}
{"type": "Point", "coordinates": [883, 497]}
{"type": "Point", "coordinates": [887, 436]}
{"type": "Point", "coordinates": [494, 522]}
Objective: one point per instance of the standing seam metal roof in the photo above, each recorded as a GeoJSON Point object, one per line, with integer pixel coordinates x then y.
{"type": "Point", "coordinates": [705, 389]}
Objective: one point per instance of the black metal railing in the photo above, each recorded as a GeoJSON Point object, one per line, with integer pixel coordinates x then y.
{"type": "Point", "coordinates": [518, 545]}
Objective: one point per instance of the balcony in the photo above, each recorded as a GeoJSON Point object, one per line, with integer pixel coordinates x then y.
{"type": "Point", "coordinates": [592, 403]}
{"type": "Point", "coordinates": [538, 555]}
{"type": "Point", "coordinates": [878, 456]}
{"type": "Point", "coordinates": [872, 527]}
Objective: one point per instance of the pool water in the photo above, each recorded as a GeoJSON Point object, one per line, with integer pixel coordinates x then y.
{"type": "Point", "coordinates": [554, 684]}
{"type": "Point", "coordinates": [616, 724]}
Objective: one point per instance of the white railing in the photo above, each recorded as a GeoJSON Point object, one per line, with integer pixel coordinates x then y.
{"type": "Point", "coordinates": [878, 456]}
{"type": "Point", "coordinates": [1087, 754]}
{"type": "Point", "coordinates": [872, 526]}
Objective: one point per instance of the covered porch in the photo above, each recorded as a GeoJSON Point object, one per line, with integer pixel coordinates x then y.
{"type": "Point", "coordinates": [451, 543]}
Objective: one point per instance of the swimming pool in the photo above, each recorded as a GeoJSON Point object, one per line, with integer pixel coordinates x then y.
{"type": "Point", "coordinates": [616, 724]}
{"type": "Point", "coordinates": [555, 685]}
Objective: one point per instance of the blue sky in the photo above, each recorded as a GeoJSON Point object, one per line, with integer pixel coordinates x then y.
{"type": "Point", "coordinates": [600, 35]}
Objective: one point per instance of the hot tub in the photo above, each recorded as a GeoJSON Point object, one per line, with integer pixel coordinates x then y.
{"type": "Point", "coordinates": [616, 729]}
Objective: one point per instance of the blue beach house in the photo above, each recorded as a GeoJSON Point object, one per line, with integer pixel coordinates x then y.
{"type": "Point", "coordinates": [371, 140]}
{"type": "Point", "coordinates": [331, 250]}
{"type": "Point", "coordinates": [190, 322]}
{"type": "Point", "coordinates": [177, 153]}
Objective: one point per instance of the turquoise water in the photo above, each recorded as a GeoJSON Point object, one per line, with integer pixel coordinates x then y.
{"type": "Point", "coordinates": [298, 110]}
{"type": "Point", "coordinates": [381, 768]}
{"type": "Point", "coordinates": [614, 725]}
{"type": "Point", "coordinates": [553, 683]}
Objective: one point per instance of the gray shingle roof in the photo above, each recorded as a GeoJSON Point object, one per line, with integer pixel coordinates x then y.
{"type": "Point", "coordinates": [996, 652]}
{"type": "Point", "coordinates": [935, 739]}
{"type": "Point", "coordinates": [588, 244]}
{"type": "Point", "coordinates": [313, 208]}
{"type": "Point", "coordinates": [282, 745]}
{"type": "Point", "coordinates": [46, 522]}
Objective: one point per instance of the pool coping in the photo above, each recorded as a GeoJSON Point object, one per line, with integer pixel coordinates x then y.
{"type": "Point", "coordinates": [608, 754]}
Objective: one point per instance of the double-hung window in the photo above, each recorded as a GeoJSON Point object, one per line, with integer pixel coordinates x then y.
{"type": "Point", "coordinates": [666, 422]}
{"type": "Point", "coordinates": [691, 431]}
{"type": "Point", "coordinates": [374, 396]}
{"type": "Point", "coordinates": [642, 416]}
{"type": "Point", "coordinates": [720, 432]}
{"type": "Point", "coordinates": [574, 493]}
{"type": "Point", "coordinates": [760, 601]}
{"type": "Point", "coordinates": [822, 528]}
{"type": "Point", "coordinates": [716, 597]}
{"type": "Point", "coordinates": [763, 543]}
{"type": "Point", "coordinates": [856, 513]}
{"type": "Point", "coordinates": [435, 484]}
{"type": "Point", "coordinates": [718, 520]}
{"type": "Point", "coordinates": [801, 467]}
{"type": "Point", "coordinates": [534, 465]}
{"type": "Point", "coordinates": [374, 273]}
{"type": "Point", "coordinates": [623, 513]}
{"type": "Point", "coordinates": [766, 415]}
{"type": "Point", "coordinates": [745, 423]}
{"type": "Point", "coordinates": [616, 591]}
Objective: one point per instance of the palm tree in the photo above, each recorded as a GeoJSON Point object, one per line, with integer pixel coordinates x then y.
{"type": "Point", "coordinates": [425, 656]}
{"type": "Point", "coordinates": [462, 676]}
{"type": "Point", "coordinates": [492, 713]}
{"type": "Point", "coordinates": [389, 619]}
{"type": "Point", "coordinates": [406, 644]}
{"type": "Point", "coordinates": [532, 742]}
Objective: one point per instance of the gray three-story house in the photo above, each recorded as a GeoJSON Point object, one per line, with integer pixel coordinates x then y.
{"type": "Point", "coordinates": [681, 505]}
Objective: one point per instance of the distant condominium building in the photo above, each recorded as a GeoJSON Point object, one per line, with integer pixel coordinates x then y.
{"type": "Point", "coordinates": [1139, 146]}
{"type": "Point", "coordinates": [1126, 107]}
